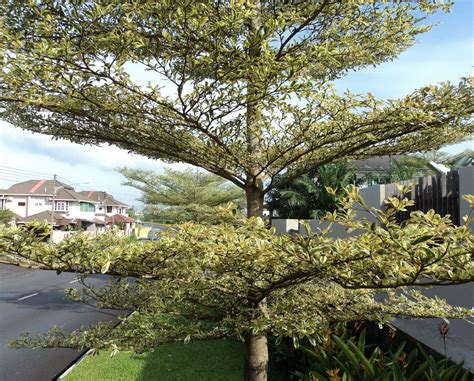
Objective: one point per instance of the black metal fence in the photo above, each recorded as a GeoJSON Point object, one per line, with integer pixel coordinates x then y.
{"type": "Point", "coordinates": [438, 192]}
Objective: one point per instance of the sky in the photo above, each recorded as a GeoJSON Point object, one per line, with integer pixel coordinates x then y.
{"type": "Point", "coordinates": [444, 54]}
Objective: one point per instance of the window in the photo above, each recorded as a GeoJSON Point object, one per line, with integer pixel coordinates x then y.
{"type": "Point", "coordinates": [61, 206]}
{"type": "Point", "coordinates": [109, 209]}
{"type": "Point", "coordinates": [87, 207]}
{"type": "Point", "coordinates": [38, 204]}
{"type": "Point", "coordinates": [22, 204]}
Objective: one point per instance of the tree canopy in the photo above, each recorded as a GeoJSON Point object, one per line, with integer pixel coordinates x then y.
{"type": "Point", "coordinates": [241, 88]}
{"type": "Point", "coordinates": [209, 281]}
{"type": "Point", "coordinates": [454, 161]}
{"type": "Point", "coordinates": [244, 89]}
{"type": "Point", "coordinates": [6, 216]}
{"type": "Point", "coordinates": [177, 196]}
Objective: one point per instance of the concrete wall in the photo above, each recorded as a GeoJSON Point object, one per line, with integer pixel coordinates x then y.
{"type": "Point", "coordinates": [466, 186]}
{"type": "Point", "coordinates": [336, 230]}
{"type": "Point", "coordinates": [459, 342]}
{"type": "Point", "coordinates": [461, 333]}
{"type": "Point", "coordinates": [374, 197]}
{"type": "Point", "coordinates": [285, 225]}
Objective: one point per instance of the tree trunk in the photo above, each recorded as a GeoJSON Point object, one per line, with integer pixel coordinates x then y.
{"type": "Point", "coordinates": [254, 202]}
{"type": "Point", "coordinates": [256, 360]}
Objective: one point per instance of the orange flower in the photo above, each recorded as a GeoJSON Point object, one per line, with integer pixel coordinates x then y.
{"type": "Point", "coordinates": [334, 374]}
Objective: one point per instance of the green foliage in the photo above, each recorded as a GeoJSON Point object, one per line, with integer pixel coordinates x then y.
{"type": "Point", "coordinates": [214, 360]}
{"type": "Point", "coordinates": [6, 216]}
{"type": "Point", "coordinates": [132, 213]}
{"type": "Point", "coordinates": [223, 80]}
{"type": "Point", "coordinates": [130, 239]}
{"type": "Point", "coordinates": [178, 196]}
{"type": "Point", "coordinates": [337, 355]}
{"type": "Point", "coordinates": [404, 168]}
{"type": "Point", "coordinates": [419, 160]}
{"type": "Point", "coordinates": [223, 77]}
{"type": "Point", "coordinates": [192, 212]}
{"type": "Point", "coordinates": [211, 281]}
{"type": "Point", "coordinates": [307, 197]}
{"type": "Point", "coordinates": [119, 225]}
{"type": "Point", "coordinates": [456, 161]}
{"type": "Point", "coordinates": [400, 171]}
{"type": "Point", "coordinates": [462, 159]}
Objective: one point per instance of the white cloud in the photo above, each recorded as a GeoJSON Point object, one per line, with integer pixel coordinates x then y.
{"type": "Point", "coordinates": [74, 163]}
{"type": "Point", "coordinates": [444, 54]}
{"type": "Point", "coordinates": [103, 157]}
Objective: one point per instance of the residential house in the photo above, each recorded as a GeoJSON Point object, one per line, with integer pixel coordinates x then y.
{"type": "Point", "coordinates": [110, 210]}
{"type": "Point", "coordinates": [376, 170]}
{"type": "Point", "coordinates": [86, 211]}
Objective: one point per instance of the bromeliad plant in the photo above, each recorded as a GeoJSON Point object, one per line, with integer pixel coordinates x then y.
{"type": "Point", "coordinates": [337, 356]}
{"type": "Point", "coordinates": [239, 278]}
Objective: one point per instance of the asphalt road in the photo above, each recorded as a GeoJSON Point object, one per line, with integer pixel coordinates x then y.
{"type": "Point", "coordinates": [34, 301]}
{"type": "Point", "coordinates": [460, 338]}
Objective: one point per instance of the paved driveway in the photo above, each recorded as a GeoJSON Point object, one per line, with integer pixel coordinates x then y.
{"type": "Point", "coordinates": [34, 301]}
{"type": "Point", "coordinates": [460, 339]}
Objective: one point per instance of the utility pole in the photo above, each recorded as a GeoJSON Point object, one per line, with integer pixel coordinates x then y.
{"type": "Point", "coordinates": [53, 199]}
{"type": "Point", "coordinates": [105, 208]}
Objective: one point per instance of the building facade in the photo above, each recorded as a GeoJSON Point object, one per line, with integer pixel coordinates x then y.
{"type": "Point", "coordinates": [60, 205]}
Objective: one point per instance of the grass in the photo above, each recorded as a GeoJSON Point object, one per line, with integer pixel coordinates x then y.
{"type": "Point", "coordinates": [214, 360]}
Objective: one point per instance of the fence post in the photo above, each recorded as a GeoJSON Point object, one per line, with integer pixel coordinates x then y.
{"type": "Point", "coordinates": [466, 186]}
{"type": "Point", "coordinates": [283, 225]}
{"type": "Point", "coordinates": [373, 196]}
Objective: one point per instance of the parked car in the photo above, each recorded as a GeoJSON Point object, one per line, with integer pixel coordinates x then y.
{"type": "Point", "coordinates": [155, 231]}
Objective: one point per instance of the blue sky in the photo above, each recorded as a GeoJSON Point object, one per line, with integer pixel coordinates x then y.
{"type": "Point", "coordinates": [446, 53]}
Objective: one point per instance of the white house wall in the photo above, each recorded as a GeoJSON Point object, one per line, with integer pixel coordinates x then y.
{"type": "Point", "coordinates": [75, 212]}
{"type": "Point", "coordinates": [12, 204]}
{"type": "Point", "coordinates": [38, 204]}
{"type": "Point", "coordinates": [116, 210]}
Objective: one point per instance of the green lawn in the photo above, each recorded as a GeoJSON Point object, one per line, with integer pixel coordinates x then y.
{"type": "Point", "coordinates": [214, 360]}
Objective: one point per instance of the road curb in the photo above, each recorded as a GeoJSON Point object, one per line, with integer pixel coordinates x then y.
{"type": "Point", "coordinates": [72, 365]}
{"type": "Point", "coordinates": [68, 369]}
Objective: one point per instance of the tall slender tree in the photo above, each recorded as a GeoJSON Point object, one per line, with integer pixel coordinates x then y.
{"type": "Point", "coordinates": [188, 195]}
{"type": "Point", "coordinates": [242, 88]}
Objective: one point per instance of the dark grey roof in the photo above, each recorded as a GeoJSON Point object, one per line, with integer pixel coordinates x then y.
{"type": "Point", "coordinates": [379, 163]}
{"type": "Point", "coordinates": [45, 216]}
{"type": "Point", "coordinates": [44, 188]}
{"type": "Point", "coordinates": [63, 192]}
{"type": "Point", "coordinates": [106, 198]}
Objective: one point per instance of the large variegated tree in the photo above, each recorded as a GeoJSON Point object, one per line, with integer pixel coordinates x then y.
{"type": "Point", "coordinates": [241, 88]}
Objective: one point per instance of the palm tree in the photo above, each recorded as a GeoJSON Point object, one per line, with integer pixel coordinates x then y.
{"type": "Point", "coordinates": [306, 197]}
{"type": "Point", "coordinates": [399, 171]}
